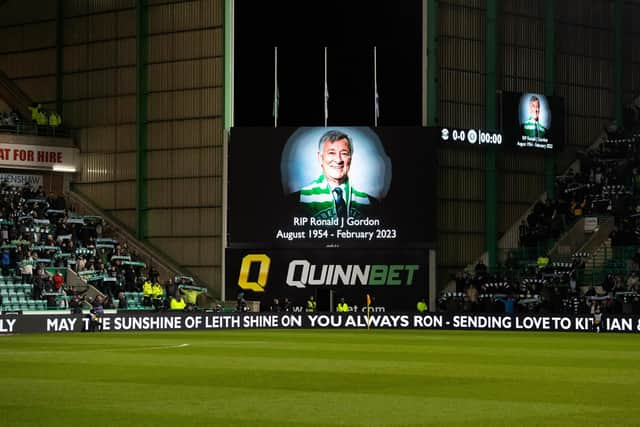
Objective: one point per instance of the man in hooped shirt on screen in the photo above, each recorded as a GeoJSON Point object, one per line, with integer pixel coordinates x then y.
{"type": "Point", "coordinates": [331, 195]}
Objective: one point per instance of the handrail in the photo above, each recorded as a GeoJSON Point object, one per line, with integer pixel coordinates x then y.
{"type": "Point", "coordinates": [28, 128]}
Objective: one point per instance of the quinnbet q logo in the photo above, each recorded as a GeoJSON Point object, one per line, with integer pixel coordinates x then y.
{"type": "Point", "coordinates": [302, 273]}
{"type": "Point", "coordinates": [263, 274]}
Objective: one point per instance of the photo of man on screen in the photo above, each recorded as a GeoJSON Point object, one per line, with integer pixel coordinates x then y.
{"type": "Point", "coordinates": [535, 117]}
{"type": "Point", "coordinates": [532, 126]}
{"type": "Point", "coordinates": [334, 174]}
{"type": "Point", "coordinates": [332, 195]}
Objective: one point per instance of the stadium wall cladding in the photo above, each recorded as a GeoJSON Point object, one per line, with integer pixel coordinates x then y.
{"type": "Point", "coordinates": [13, 322]}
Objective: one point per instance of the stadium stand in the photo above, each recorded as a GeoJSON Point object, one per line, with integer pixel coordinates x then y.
{"type": "Point", "coordinates": [601, 272]}
{"type": "Point", "coordinates": [52, 256]}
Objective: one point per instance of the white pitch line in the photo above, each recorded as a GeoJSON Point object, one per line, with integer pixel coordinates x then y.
{"type": "Point", "coordinates": [164, 347]}
{"type": "Point", "coordinates": [49, 351]}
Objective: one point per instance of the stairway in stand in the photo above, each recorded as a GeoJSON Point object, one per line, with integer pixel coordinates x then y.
{"type": "Point", "coordinates": [594, 268]}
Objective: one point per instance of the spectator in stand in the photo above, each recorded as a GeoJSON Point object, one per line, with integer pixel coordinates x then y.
{"type": "Point", "coordinates": [26, 268]}
{"type": "Point", "coordinates": [523, 231]}
{"type": "Point", "coordinates": [95, 323]}
{"type": "Point", "coordinates": [619, 285]}
{"type": "Point", "coordinates": [286, 304]}
{"type": "Point", "coordinates": [54, 121]}
{"type": "Point", "coordinates": [275, 306]}
{"type": "Point", "coordinates": [178, 303]}
{"type": "Point", "coordinates": [171, 290]}
{"type": "Point", "coordinates": [76, 305]}
{"type": "Point", "coordinates": [608, 283]}
{"type": "Point", "coordinates": [98, 305]}
{"type": "Point", "coordinates": [635, 183]}
{"type": "Point", "coordinates": [311, 305]}
{"type": "Point", "coordinates": [577, 208]}
{"type": "Point", "coordinates": [39, 285]}
{"type": "Point", "coordinates": [157, 295]}
{"type": "Point", "coordinates": [241, 304]}
{"type": "Point", "coordinates": [472, 297]}
{"type": "Point", "coordinates": [6, 262]}
{"type": "Point", "coordinates": [633, 282]}
{"type": "Point", "coordinates": [573, 281]}
{"type": "Point", "coordinates": [123, 304]}
{"type": "Point", "coordinates": [42, 118]}
{"type": "Point", "coordinates": [509, 303]}
{"type": "Point", "coordinates": [147, 293]}
{"type": "Point", "coordinates": [108, 302]}
{"type": "Point", "coordinates": [36, 112]}
{"type": "Point", "coordinates": [58, 281]}
{"type": "Point", "coordinates": [130, 279]}
{"type": "Point", "coordinates": [462, 281]}
{"type": "Point", "coordinates": [481, 269]}
{"type": "Point", "coordinates": [343, 307]}
{"type": "Point", "coordinates": [597, 317]}
{"type": "Point", "coordinates": [81, 264]}
{"type": "Point", "coordinates": [191, 294]}
{"type": "Point", "coordinates": [153, 274]}
{"type": "Point", "coordinates": [51, 199]}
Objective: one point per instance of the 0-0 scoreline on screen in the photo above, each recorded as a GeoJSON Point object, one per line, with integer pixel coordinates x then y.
{"type": "Point", "coordinates": [335, 186]}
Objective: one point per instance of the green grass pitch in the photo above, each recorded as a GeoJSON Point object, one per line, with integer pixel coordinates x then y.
{"type": "Point", "coordinates": [319, 378]}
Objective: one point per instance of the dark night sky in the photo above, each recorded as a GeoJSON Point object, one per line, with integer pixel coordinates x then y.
{"type": "Point", "coordinates": [350, 30]}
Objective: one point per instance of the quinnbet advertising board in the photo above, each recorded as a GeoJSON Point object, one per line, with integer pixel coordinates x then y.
{"type": "Point", "coordinates": [394, 279]}
{"type": "Point", "coordinates": [332, 187]}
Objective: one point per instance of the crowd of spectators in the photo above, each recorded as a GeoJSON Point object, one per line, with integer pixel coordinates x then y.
{"type": "Point", "coordinates": [41, 122]}
{"type": "Point", "coordinates": [547, 220]}
{"type": "Point", "coordinates": [42, 238]}
{"type": "Point", "coordinates": [10, 119]}
{"type": "Point", "coordinates": [548, 287]}
{"type": "Point", "coordinates": [607, 182]}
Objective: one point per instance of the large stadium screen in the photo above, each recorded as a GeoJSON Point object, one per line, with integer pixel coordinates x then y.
{"type": "Point", "coordinates": [322, 187]}
{"type": "Point", "coordinates": [532, 121]}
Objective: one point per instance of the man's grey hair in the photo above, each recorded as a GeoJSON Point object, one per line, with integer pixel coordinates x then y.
{"type": "Point", "coordinates": [333, 136]}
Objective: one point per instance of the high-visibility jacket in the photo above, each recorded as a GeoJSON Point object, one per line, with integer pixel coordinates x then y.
{"type": "Point", "coordinates": [55, 120]}
{"type": "Point", "coordinates": [343, 307]}
{"type": "Point", "coordinates": [35, 112]}
{"type": "Point", "coordinates": [311, 306]}
{"type": "Point", "coordinates": [191, 295]}
{"type": "Point", "coordinates": [156, 291]}
{"type": "Point", "coordinates": [542, 261]}
{"type": "Point", "coordinates": [177, 304]}
{"type": "Point", "coordinates": [147, 289]}
{"type": "Point", "coordinates": [42, 119]}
